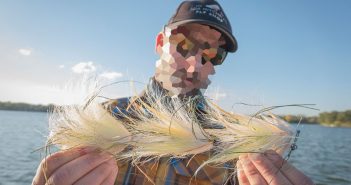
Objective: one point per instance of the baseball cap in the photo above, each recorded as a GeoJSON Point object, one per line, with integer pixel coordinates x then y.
{"type": "Point", "coordinates": [207, 12]}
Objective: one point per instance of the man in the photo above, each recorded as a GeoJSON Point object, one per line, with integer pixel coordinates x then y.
{"type": "Point", "coordinates": [196, 39]}
{"type": "Point", "coordinates": [189, 46]}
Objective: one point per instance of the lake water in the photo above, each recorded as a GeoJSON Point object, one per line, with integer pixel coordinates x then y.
{"type": "Point", "coordinates": [323, 153]}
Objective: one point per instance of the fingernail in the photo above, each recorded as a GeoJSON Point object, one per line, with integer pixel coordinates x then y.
{"type": "Point", "coordinates": [244, 160]}
{"type": "Point", "coordinates": [243, 157]}
{"type": "Point", "coordinates": [115, 166]}
{"type": "Point", "coordinates": [106, 155]}
{"type": "Point", "coordinates": [113, 162]}
{"type": "Point", "coordinates": [239, 166]}
{"type": "Point", "coordinates": [255, 156]}
{"type": "Point", "coordinates": [273, 156]}
{"type": "Point", "coordinates": [270, 152]}
{"type": "Point", "coordinates": [86, 149]}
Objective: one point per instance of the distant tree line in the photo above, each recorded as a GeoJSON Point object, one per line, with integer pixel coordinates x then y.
{"type": "Point", "coordinates": [334, 118]}
{"type": "Point", "coordinates": [24, 107]}
{"type": "Point", "coordinates": [301, 118]}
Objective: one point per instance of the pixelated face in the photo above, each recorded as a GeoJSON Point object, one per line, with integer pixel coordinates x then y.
{"type": "Point", "coordinates": [188, 56]}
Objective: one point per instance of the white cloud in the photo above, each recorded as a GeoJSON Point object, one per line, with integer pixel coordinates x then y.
{"type": "Point", "coordinates": [84, 67]}
{"type": "Point", "coordinates": [61, 66]}
{"type": "Point", "coordinates": [25, 52]}
{"type": "Point", "coordinates": [111, 75]}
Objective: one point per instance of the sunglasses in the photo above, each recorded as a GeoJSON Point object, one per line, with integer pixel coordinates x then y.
{"type": "Point", "coordinates": [209, 54]}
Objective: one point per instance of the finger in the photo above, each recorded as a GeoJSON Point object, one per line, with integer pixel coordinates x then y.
{"type": "Point", "coordinates": [72, 171]}
{"type": "Point", "coordinates": [250, 171]}
{"type": "Point", "coordinates": [241, 175]}
{"type": "Point", "coordinates": [49, 164]}
{"type": "Point", "coordinates": [98, 174]}
{"type": "Point", "coordinates": [268, 170]}
{"type": "Point", "coordinates": [294, 175]}
{"type": "Point", "coordinates": [110, 180]}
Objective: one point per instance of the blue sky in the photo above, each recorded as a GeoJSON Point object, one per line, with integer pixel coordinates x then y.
{"type": "Point", "coordinates": [289, 51]}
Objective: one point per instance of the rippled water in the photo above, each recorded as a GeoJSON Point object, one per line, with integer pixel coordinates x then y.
{"type": "Point", "coordinates": [323, 153]}
{"type": "Point", "coordinates": [21, 133]}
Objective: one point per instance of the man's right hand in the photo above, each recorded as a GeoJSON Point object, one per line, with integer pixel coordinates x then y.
{"type": "Point", "coordinates": [77, 166]}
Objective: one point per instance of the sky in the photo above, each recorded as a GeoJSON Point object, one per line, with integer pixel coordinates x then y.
{"type": "Point", "coordinates": [290, 52]}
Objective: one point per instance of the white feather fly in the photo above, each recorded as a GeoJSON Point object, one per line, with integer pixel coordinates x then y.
{"type": "Point", "coordinates": [160, 126]}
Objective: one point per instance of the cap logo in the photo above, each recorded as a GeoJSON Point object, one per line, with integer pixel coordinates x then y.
{"type": "Point", "coordinates": [213, 11]}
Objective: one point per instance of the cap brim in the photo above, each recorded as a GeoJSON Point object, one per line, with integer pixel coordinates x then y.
{"type": "Point", "coordinates": [231, 43]}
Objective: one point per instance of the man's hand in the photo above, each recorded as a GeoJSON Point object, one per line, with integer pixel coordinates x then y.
{"type": "Point", "coordinates": [79, 166]}
{"type": "Point", "coordinates": [267, 169]}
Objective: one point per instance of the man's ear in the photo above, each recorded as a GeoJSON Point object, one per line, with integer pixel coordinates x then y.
{"type": "Point", "coordinates": [159, 42]}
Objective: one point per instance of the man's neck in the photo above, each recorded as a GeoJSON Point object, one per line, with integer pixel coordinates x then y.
{"type": "Point", "coordinates": [156, 85]}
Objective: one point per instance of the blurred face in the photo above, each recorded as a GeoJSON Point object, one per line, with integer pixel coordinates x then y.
{"type": "Point", "coordinates": [187, 57]}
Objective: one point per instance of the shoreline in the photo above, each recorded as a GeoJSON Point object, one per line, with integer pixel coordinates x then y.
{"type": "Point", "coordinates": [45, 109]}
